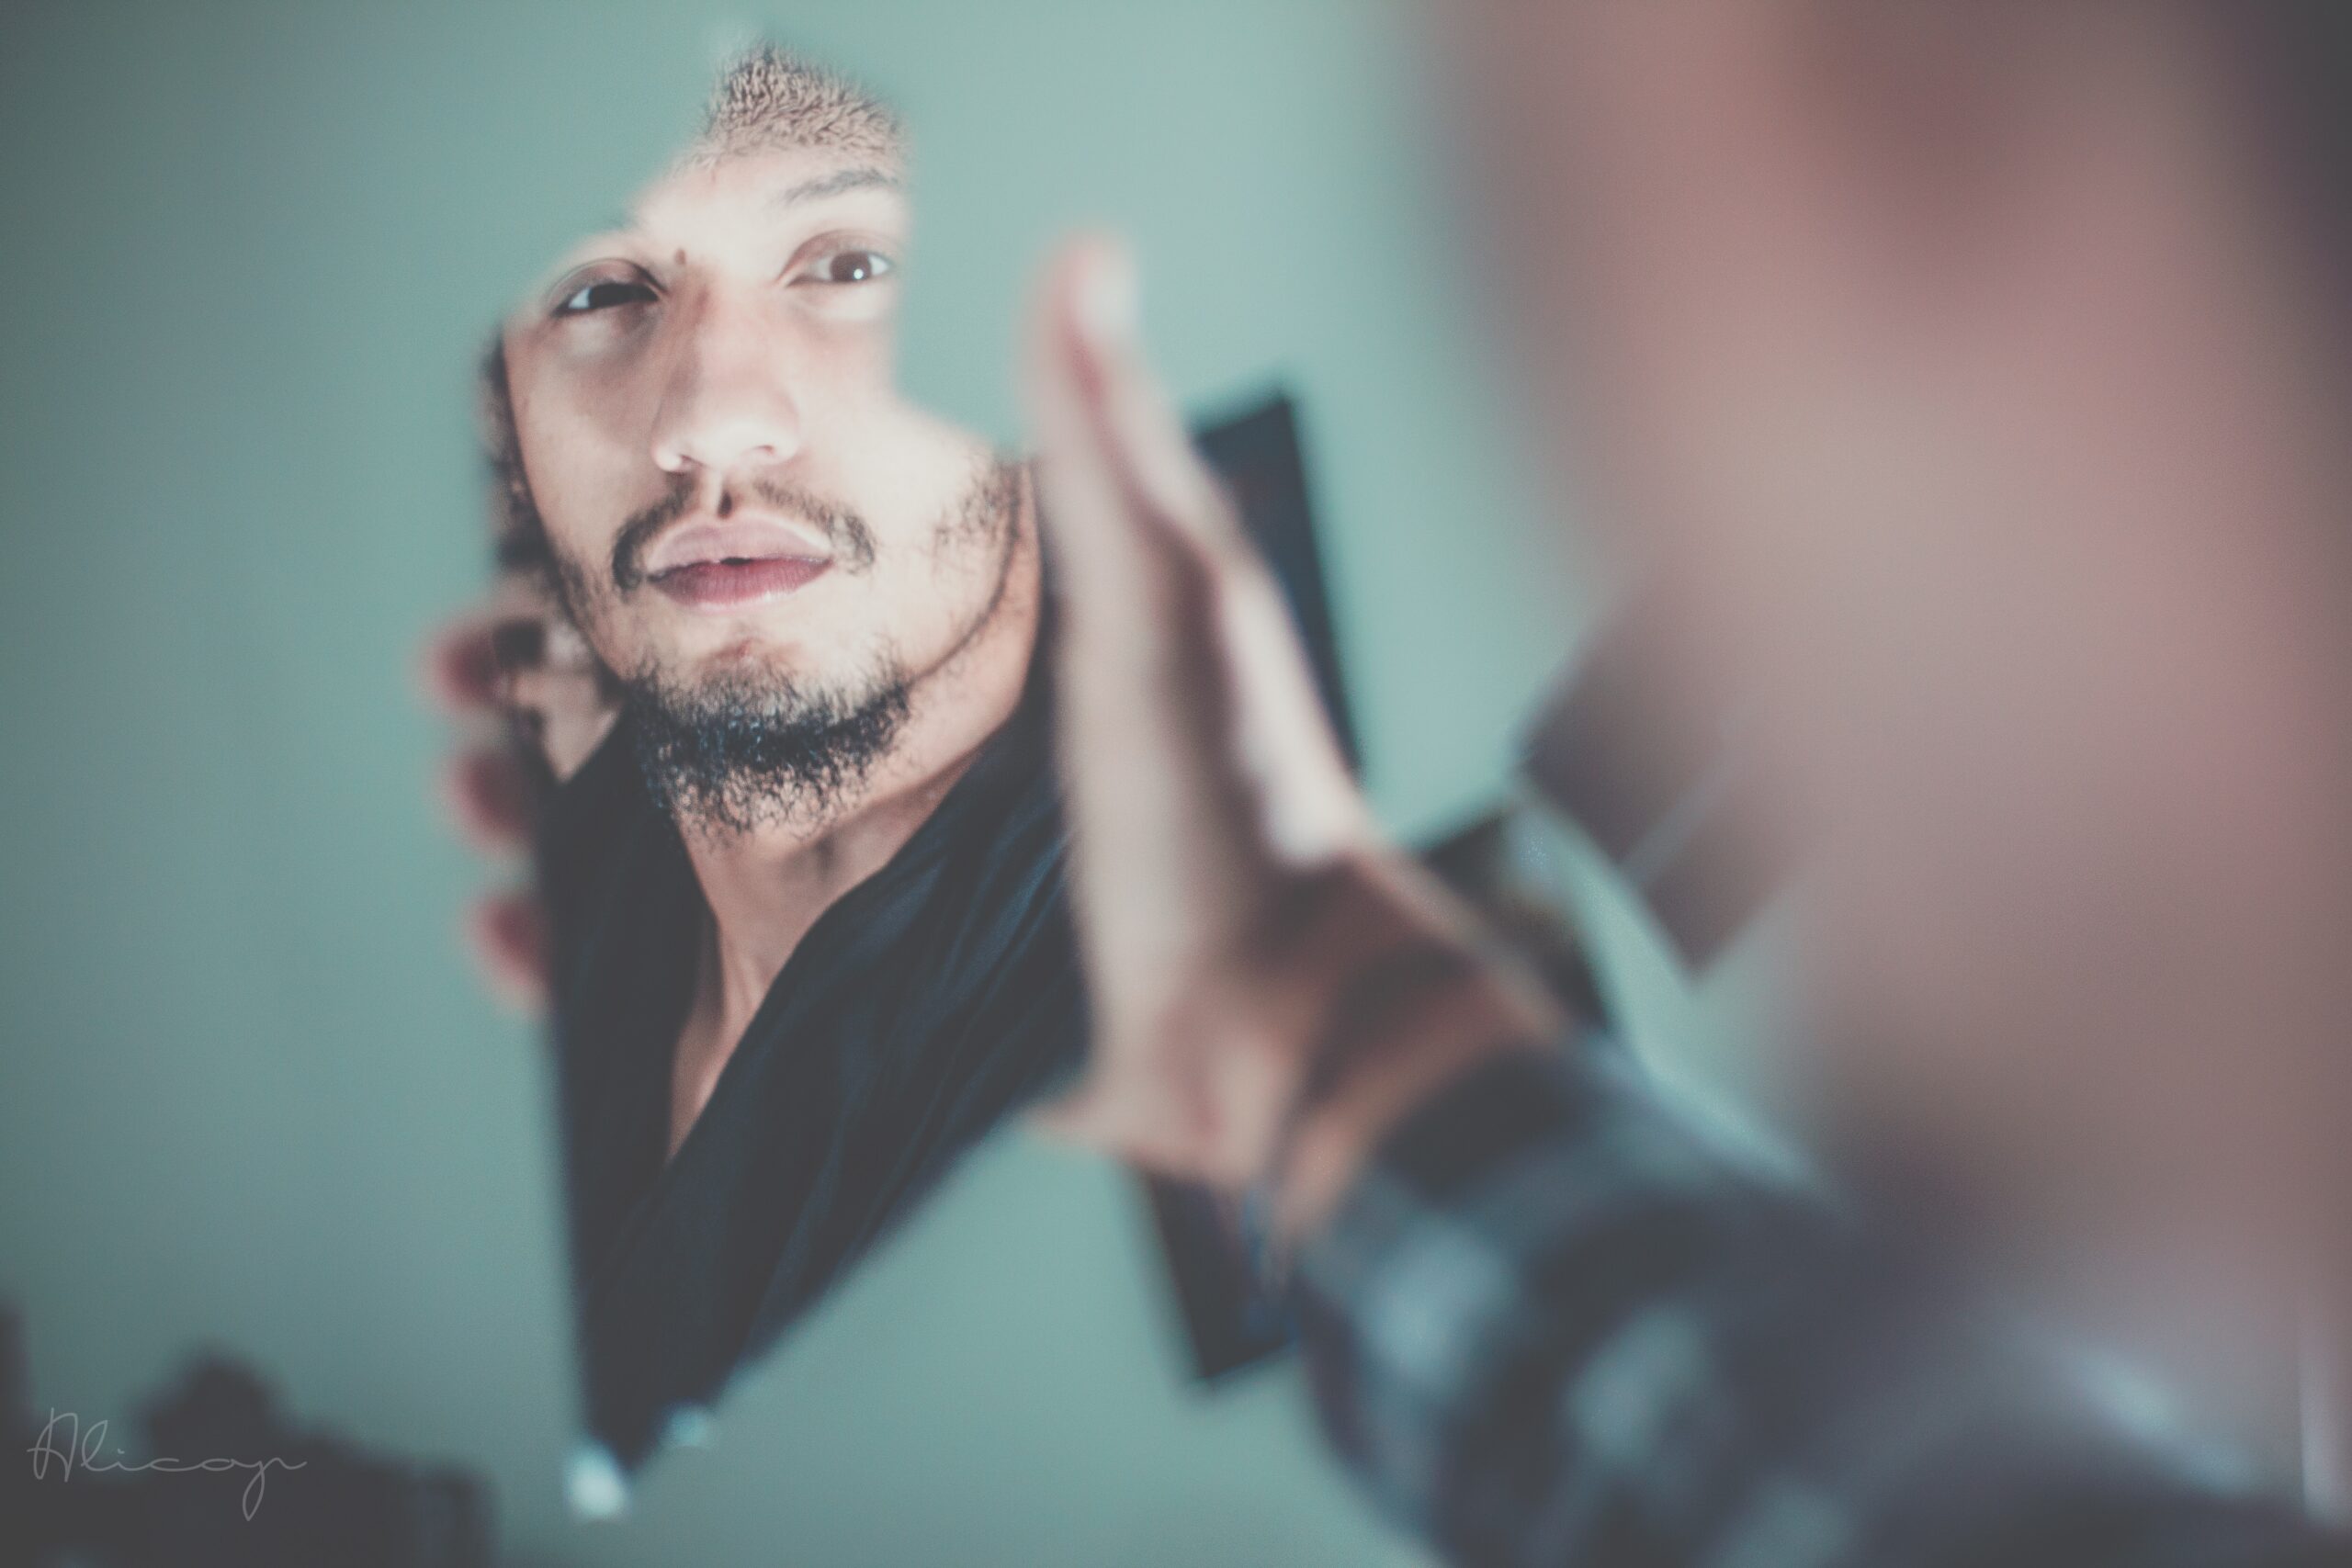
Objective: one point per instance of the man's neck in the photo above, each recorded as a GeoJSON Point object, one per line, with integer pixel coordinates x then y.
{"type": "Point", "coordinates": [765, 888]}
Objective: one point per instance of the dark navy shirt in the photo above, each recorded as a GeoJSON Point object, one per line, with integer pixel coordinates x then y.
{"type": "Point", "coordinates": [926, 1005]}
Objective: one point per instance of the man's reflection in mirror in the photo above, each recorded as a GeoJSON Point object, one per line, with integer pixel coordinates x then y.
{"type": "Point", "coordinates": [807, 939]}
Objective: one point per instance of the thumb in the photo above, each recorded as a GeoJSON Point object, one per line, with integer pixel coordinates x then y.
{"type": "Point", "coordinates": [1165, 593]}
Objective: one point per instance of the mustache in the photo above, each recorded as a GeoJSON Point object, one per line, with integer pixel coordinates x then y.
{"type": "Point", "coordinates": [850, 536]}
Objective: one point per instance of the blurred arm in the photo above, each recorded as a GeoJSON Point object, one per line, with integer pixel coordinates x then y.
{"type": "Point", "coordinates": [1546, 1322]}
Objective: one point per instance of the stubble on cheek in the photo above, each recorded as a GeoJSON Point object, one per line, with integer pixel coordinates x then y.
{"type": "Point", "coordinates": [978, 538]}
{"type": "Point", "coordinates": [974, 525]}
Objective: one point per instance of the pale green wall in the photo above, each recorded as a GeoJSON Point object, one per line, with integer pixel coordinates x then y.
{"type": "Point", "coordinates": [249, 1094]}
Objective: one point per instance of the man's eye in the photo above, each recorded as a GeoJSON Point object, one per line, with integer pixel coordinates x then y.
{"type": "Point", "coordinates": [852, 267]}
{"type": "Point", "coordinates": [605, 294]}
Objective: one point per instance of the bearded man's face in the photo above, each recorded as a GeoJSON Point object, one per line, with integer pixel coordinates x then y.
{"type": "Point", "coordinates": [763, 540]}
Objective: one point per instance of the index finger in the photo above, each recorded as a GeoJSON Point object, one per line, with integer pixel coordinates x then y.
{"type": "Point", "coordinates": [462, 671]}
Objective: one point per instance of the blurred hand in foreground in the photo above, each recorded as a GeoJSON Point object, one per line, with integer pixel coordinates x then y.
{"type": "Point", "coordinates": [1249, 938]}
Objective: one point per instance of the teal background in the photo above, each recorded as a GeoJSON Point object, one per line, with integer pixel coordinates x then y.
{"type": "Point", "coordinates": [251, 1095]}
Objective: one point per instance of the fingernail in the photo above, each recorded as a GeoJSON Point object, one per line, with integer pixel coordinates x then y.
{"type": "Point", "coordinates": [1106, 294]}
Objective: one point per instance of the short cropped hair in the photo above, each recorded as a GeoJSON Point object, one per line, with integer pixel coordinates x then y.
{"type": "Point", "coordinates": [768, 97]}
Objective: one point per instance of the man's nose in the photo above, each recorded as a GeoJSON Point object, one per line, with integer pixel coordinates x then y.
{"type": "Point", "coordinates": [727, 402]}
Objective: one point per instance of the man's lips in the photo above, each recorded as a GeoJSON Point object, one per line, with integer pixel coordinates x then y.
{"type": "Point", "coordinates": [724, 584]}
{"type": "Point", "coordinates": [740, 536]}
{"type": "Point", "coordinates": [712, 564]}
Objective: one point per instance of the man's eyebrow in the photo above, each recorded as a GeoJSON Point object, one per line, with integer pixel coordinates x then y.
{"type": "Point", "coordinates": [864, 177]}
{"type": "Point", "coordinates": [861, 178]}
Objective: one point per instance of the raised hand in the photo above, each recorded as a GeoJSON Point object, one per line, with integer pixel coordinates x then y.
{"type": "Point", "coordinates": [1240, 913]}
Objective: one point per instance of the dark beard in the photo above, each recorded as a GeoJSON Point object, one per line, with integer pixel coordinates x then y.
{"type": "Point", "coordinates": [751, 750]}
